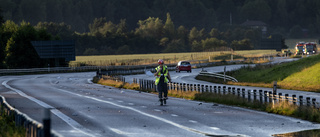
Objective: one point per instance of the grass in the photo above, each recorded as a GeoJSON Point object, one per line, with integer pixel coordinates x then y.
{"type": "Point", "coordinates": [8, 128]}
{"type": "Point", "coordinates": [117, 84]}
{"type": "Point", "coordinates": [303, 74]}
{"type": "Point", "coordinates": [170, 58]}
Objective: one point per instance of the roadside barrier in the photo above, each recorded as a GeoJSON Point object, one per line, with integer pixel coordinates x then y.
{"type": "Point", "coordinates": [33, 128]}
{"type": "Point", "coordinates": [262, 96]}
{"type": "Point", "coordinates": [216, 75]}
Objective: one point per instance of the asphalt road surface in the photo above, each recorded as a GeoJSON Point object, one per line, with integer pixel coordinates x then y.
{"type": "Point", "coordinates": [80, 108]}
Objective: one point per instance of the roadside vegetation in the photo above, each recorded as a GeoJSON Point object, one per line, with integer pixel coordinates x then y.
{"type": "Point", "coordinates": [8, 128]}
{"type": "Point", "coordinates": [303, 74]}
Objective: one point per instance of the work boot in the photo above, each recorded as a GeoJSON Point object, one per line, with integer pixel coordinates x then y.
{"type": "Point", "coordinates": [164, 101]}
{"type": "Point", "coordinates": [161, 102]}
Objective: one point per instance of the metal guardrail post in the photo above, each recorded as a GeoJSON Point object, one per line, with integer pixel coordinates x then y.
{"type": "Point", "coordinates": [198, 87]}
{"type": "Point", "coordinates": [207, 89]}
{"type": "Point", "coordinates": [215, 89]}
{"type": "Point", "coordinates": [294, 99]}
{"type": "Point", "coordinates": [219, 90]}
{"type": "Point", "coordinates": [46, 123]}
{"type": "Point", "coordinates": [275, 87]}
{"type": "Point", "coordinates": [243, 94]}
{"type": "Point", "coordinates": [254, 95]}
{"type": "Point", "coordinates": [280, 97]}
{"type": "Point", "coordinates": [314, 102]}
{"type": "Point", "coordinates": [270, 97]}
{"type": "Point", "coordinates": [308, 101]}
{"type": "Point", "coordinates": [202, 88]}
{"type": "Point", "coordinates": [210, 89]}
{"type": "Point", "coordinates": [301, 100]}
{"type": "Point", "coordinates": [188, 88]}
{"type": "Point", "coordinates": [286, 97]}
{"type": "Point", "coordinates": [260, 96]}
{"type": "Point", "coordinates": [249, 95]}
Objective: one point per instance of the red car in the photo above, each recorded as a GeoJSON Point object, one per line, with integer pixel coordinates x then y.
{"type": "Point", "coordinates": [183, 66]}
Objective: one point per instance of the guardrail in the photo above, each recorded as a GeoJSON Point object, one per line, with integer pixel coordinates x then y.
{"type": "Point", "coordinates": [260, 95]}
{"type": "Point", "coordinates": [33, 128]}
{"type": "Point", "coordinates": [107, 70]}
{"type": "Point", "coordinates": [216, 75]}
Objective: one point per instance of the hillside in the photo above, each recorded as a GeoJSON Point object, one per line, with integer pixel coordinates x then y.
{"type": "Point", "coordinates": [303, 74]}
{"type": "Point", "coordinates": [308, 79]}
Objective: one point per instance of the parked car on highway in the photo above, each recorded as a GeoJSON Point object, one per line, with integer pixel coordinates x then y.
{"type": "Point", "coordinates": [183, 66]}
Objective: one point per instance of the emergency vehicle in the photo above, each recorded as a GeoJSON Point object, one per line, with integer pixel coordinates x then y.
{"type": "Point", "coordinates": [300, 50]}
{"type": "Point", "coordinates": [310, 48]}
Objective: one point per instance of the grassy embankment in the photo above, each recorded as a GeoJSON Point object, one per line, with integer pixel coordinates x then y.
{"type": "Point", "coordinates": [303, 74]}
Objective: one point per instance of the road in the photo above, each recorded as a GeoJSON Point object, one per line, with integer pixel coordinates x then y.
{"type": "Point", "coordinates": [80, 108]}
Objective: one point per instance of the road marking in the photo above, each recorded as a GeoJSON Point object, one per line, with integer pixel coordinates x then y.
{"type": "Point", "coordinates": [74, 124]}
{"type": "Point", "coordinates": [192, 121]}
{"type": "Point", "coordinates": [146, 114]}
{"type": "Point", "coordinates": [174, 115]}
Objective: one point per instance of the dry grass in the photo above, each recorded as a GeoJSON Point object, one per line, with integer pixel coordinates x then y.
{"type": "Point", "coordinates": [170, 58]}
{"type": "Point", "coordinates": [118, 84]}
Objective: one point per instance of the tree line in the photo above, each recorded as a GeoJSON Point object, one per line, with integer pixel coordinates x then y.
{"type": "Point", "coordinates": [152, 35]}
{"type": "Point", "coordinates": [281, 16]}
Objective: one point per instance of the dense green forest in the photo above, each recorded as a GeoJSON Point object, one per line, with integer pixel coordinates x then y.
{"type": "Point", "coordinates": [102, 27]}
{"type": "Point", "coordinates": [279, 15]}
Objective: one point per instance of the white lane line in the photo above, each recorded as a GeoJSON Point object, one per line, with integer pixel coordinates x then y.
{"type": "Point", "coordinates": [192, 121]}
{"type": "Point", "coordinates": [174, 115]}
{"type": "Point", "coordinates": [149, 115]}
{"type": "Point", "coordinates": [74, 124]}
{"type": "Point", "coordinates": [131, 104]}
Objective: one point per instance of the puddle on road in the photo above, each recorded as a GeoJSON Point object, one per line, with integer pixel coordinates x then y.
{"type": "Point", "coordinates": [306, 133]}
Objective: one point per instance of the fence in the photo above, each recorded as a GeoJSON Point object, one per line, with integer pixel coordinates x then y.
{"type": "Point", "coordinates": [262, 96]}
{"type": "Point", "coordinates": [33, 128]}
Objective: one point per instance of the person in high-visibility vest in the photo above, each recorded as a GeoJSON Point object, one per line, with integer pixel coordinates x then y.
{"type": "Point", "coordinates": [162, 78]}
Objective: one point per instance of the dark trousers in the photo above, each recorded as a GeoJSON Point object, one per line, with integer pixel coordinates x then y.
{"type": "Point", "coordinates": [162, 89]}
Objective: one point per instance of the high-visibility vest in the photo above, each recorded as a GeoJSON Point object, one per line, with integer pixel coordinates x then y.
{"type": "Point", "coordinates": [159, 74]}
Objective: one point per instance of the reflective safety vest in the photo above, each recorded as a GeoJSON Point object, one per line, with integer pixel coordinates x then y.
{"type": "Point", "coordinates": [159, 74]}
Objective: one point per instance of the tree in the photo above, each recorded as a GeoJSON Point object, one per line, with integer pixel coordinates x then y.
{"type": "Point", "coordinates": [211, 44]}
{"type": "Point", "coordinates": [169, 27]}
{"type": "Point", "coordinates": [244, 44]}
{"type": "Point", "coordinates": [175, 46]}
{"type": "Point", "coordinates": [214, 33]}
{"type": "Point", "coordinates": [151, 27]}
{"type": "Point", "coordinates": [97, 24]}
{"type": "Point", "coordinates": [19, 50]}
{"type": "Point", "coordinates": [194, 35]}
{"type": "Point", "coordinates": [122, 27]}
{"type": "Point", "coordinates": [58, 30]}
